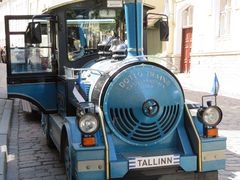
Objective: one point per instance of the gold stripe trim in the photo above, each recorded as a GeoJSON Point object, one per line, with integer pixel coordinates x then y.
{"type": "Point", "coordinates": [105, 142]}
{"type": "Point", "coordinates": [199, 140]}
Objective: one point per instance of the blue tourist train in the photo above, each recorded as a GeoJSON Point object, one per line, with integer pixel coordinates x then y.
{"type": "Point", "coordinates": [110, 111]}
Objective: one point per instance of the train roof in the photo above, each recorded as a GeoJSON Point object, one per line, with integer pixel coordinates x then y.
{"type": "Point", "coordinates": [72, 2]}
{"type": "Point", "coordinates": [63, 4]}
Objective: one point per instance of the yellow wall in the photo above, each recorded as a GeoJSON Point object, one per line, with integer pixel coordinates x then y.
{"type": "Point", "coordinates": [159, 4]}
{"type": "Point", "coordinates": [155, 46]}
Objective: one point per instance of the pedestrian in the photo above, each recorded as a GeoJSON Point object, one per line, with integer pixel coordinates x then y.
{"type": "Point", "coordinates": [1, 52]}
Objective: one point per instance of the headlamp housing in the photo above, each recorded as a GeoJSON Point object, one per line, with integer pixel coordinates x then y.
{"type": "Point", "coordinates": [210, 116]}
{"type": "Point", "coordinates": [88, 123]}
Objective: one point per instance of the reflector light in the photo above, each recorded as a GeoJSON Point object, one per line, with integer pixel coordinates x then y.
{"type": "Point", "coordinates": [212, 132]}
{"type": "Point", "coordinates": [88, 141]}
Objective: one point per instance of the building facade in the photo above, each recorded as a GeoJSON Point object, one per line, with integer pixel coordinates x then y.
{"type": "Point", "coordinates": [21, 7]}
{"type": "Point", "coordinates": [206, 41]}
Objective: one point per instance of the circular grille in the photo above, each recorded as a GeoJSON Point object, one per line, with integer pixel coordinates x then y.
{"type": "Point", "coordinates": [143, 104]}
{"type": "Point", "coordinates": [126, 123]}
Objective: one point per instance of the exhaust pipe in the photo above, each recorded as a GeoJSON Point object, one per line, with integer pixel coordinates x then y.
{"type": "Point", "coordinates": [134, 25]}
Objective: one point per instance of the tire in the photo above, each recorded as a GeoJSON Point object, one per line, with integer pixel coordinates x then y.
{"type": "Point", "coordinates": [49, 140]}
{"type": "Point", "coordinates": [67, 159]}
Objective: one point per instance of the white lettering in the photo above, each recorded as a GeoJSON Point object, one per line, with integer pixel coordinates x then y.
{"type": "Point", "coordinates": [150, 79]}
{"type": "Point", "coordinates": [156, 161]}
{"type": "Point", "coordinates": [126, 80]}
{"type": "Point", "coordinates": [122, 84]}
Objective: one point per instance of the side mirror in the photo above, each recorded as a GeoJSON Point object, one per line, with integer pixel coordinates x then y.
{"type": "Point", "coordinates": [33, 33]}
{"type": "Point", "coordinates": [164, 30]}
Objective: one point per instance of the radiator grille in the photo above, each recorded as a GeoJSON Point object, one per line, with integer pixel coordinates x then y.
{"type": "Point", "coordinates": [134, 130]}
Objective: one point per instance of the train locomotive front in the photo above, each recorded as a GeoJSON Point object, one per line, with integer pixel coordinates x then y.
{"type": "Point", "coordinates": [142, 101]}
{"type": "Point", "coordinates": [143, 115]}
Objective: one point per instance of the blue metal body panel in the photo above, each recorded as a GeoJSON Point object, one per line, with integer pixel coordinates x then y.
{"type": "Point", "coordinates": [112, 155]}
{"type": "Point", "coordinates": [74, 133]}
{"type": "Point", "coordinates": [188, 163]}
{"type": "Point", "coordinates": [93, 175]}
{"type": "Point", "coordinates": [80, 153]}
{"type": "Point", "coordinates": [42, 94]}
{"type": "Point", "coordinates": [119, 167]}
{"type": "Point", "coordinates": [184, 140]}
{"type": "Point", "coordinates": [213, 165]}
{"type": "Point", "coordinates": [198, 125]}
{"type": "Point", "coordinates": [212, 144]}
{"type": "Point", "coordinates": [61, 97]}
{"type": "Point", "coordinates": [88, 153]}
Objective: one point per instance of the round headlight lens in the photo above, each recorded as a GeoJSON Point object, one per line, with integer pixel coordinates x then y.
{"type": "Point", "coordinates": [88, 124]}
{"type": "Point", "coordinates": [212, 116]}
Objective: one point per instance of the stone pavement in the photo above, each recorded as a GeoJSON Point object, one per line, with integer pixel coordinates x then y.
{"type": "Point", "coordinates": [29, 156]}
{"type": "Point", "coordinates": [230, 128]}
{"type": "Point", "coordinates": [204, 82]}
{"type": "Point", "coordinates": [5, 117]}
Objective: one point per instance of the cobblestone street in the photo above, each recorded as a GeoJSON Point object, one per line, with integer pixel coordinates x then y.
{"type": "Point", "coordinates": [29, 156]}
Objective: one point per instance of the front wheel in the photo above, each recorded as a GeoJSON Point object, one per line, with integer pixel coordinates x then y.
{"type": "Point", "coordinates": [46, 130]}
{"type": "Point", "coordinates": [67, 160]}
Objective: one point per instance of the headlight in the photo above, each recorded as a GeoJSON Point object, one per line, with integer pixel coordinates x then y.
{"type": "Point", "coordinates": [211, 116]}
{"type": "Point", "coordinates": [88, 123]}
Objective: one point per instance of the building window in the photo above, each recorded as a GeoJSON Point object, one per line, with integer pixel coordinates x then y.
{"type": "Point", "coordinates": [188, 17]}
{"type": "Point", "coordinates": [224, 17]}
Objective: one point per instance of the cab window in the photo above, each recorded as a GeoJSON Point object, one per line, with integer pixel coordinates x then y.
{"type": "Point", "coordinates": [29, 58]}
{"type": "Point", "coordinates": [87, 29]}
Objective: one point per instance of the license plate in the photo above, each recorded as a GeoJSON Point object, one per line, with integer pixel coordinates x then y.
{"type": "Point", "coordinates": [153, 161]}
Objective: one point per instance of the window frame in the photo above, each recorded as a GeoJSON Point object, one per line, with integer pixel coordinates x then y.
{"type": "Point", "coordinates": [224, 15]}
{"type": "Point", "coordinates": [17, 78]}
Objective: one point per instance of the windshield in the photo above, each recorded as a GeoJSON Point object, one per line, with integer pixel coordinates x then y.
{"type": "Point", "coordinates": [87, 30]}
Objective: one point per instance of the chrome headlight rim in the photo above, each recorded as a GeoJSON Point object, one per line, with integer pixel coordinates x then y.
{"type": "Point", "coordinates": [88, 117]}
{"type": "Point", "coordinates": [204, 114]}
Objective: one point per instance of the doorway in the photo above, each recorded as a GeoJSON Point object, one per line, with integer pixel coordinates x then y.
{"type": "Point", "coordinates": [186, 49]}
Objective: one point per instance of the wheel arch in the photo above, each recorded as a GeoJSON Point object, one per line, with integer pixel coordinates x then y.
{"type": "Point", "coordinates": [65, 135]}
{"type": "Point", "coordinates": [31, 100]}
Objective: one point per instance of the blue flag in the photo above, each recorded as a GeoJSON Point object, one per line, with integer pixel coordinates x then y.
{"type": "Point", "coordinates": [215, 87]}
